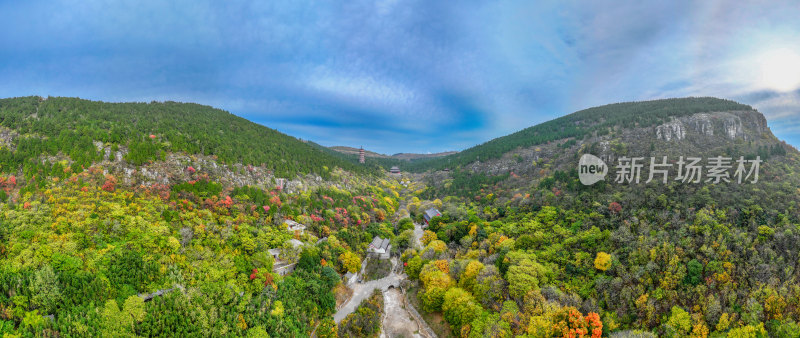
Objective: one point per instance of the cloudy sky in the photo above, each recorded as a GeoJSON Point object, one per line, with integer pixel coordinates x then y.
{"type": "Point", "coordinates": [405, 76]}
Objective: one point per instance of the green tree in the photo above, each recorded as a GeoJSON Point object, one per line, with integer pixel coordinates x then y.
{"type": "Point", "coordinates": [45, 289]}
{"type": "Point", "coordinates": [114, 322]}
{"type": "Point", "coordinates": [694, 272]}
{"type": "Point", "coordinates": [679, 323]}
{"type": "Point", "coordinates": [414, 267]}
{"type": "Point", "coordinates": [459, 308]}
{"type": "Point", "coordinates": [524, 276]}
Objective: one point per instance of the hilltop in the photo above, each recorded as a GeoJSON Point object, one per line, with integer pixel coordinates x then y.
{"type": "Point", "coordinates": [83, 132]}
{"type": "Point", "coordinates": [414, 156]}
{"type": "Point", "coordinates": [355, 151]}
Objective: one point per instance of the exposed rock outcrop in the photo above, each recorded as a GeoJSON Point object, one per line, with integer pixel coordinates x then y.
{"type": "Point", "coordinates": [746, 125]}
{"type": "Point", "coordinates": [671, 130]}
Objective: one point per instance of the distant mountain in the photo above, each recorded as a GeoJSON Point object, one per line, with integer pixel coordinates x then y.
{"type": "Point", "coordinates": [355, 151]}
{"type": "Point", "coordinates": [33, 127]}
{"type": "Point", "coordinates": [412, 156]}
{"type": "Point", "coordinates": [399, 156]}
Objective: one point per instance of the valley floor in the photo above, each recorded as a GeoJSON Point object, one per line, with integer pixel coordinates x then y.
{"type": "Point", "coordinates": [398, 320]}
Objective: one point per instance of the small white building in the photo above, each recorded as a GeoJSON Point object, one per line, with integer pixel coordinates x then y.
{"type": "Point", "coordinates": [380, 247]}
{"type": "Point", "coordinates": [293, 226]}
{"type": "Point", "coordinates": [283, 267]}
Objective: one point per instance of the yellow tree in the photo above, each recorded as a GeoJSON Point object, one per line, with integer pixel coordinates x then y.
{"type": "Point", "coordinates": [437, 246]}
{"type": "Point", "coordinates": [350, 261]}
{"type": "Point", "coordinates": [603, 261]}
{"type": "Point", "coordinates": [428, 237]}
{"type": "Point", "coordinates": [471, 272]}
{"type": "Point", "coordinates": [436, 283]}
{"type": "Point", "coordinates": [679, 323]}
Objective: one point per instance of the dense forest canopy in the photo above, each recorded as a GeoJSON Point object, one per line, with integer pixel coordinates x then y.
{"type": "Point", "coordinates": [84, 257]}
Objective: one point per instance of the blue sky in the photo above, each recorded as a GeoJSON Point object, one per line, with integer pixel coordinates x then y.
{"type": "Point", "coordinates": [405, 76]}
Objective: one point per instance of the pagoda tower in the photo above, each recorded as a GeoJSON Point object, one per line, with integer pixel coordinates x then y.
{"type": "Point", "coordinates": [361, 155]}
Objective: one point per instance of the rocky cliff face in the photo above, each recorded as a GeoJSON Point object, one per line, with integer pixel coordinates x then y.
{"type": "Point", "coordinates": [746, 125]}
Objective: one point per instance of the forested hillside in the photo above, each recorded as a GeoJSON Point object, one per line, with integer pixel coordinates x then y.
{"type": "Point", "coordinates": [595, 121]}
{"type": "Point", "coordinates": [34, 126]}
{"type": "Point", "coordinates": [555, 258]}
{"type": "Point", "coordinates": [535, 252]}
{"type": "Point", "coordinates": [84, 257]}
{"type": "Point", "coordinates": [87, 248]}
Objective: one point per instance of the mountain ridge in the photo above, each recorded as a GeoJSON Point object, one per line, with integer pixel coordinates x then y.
{"type": "Point", "coordinates": [399, 156]}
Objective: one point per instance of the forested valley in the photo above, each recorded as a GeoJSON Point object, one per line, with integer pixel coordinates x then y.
{"type": "Point", "coordinates": [86, 251]}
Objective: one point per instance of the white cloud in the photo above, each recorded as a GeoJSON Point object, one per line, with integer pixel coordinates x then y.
{"type": "Point", "coordinates": [362, 87]}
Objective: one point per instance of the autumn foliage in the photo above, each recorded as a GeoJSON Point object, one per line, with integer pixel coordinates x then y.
{"type": "Point", "coordinates": [614, 207]}
{"type": "Point", "coordinates": [110, 183]}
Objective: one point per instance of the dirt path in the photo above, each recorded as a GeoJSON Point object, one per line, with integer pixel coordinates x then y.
{"type": "Point", "coordinates": [418, 232]}
{"type": "Point", "coordinates": [397, 322]}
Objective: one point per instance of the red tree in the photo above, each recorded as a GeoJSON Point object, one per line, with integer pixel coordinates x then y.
{"type": "Point", "coordinates": [110, 184]}
{"type": "Point", "coordinates": [614, 207]}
